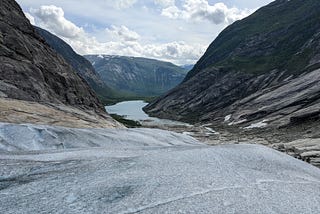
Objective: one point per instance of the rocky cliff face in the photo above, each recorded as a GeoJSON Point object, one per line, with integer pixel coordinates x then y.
{"type": "Point", "coordinates": [31, 71]}
{"type": "Point", "coordinates": [260, 71]}
{"type": "Point", "coordinates": [80, 64]}
{"type": "Point", "coordinates": [137, 76]}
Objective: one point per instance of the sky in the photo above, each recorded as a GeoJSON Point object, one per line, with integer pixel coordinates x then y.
{"type": "Point", "coordinates": [178, 31]}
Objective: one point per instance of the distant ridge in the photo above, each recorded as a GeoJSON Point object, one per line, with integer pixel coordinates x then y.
{"type": "Point", "coordinates": [137, 76]}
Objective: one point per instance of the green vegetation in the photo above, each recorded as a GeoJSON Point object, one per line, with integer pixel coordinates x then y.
{"type": "Point", "coordinates": [126, 122]}
{"type": "Point", "coordinates": [137, 77]}
{"type": "Point", "coordinates": [149, 99]}
{"type": "Point", "coordinates": [274, 37]}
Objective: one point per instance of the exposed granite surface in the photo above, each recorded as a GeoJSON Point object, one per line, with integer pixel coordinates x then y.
{"type": "Point", "coordinates": [262, 68]}
{"type": "Point", "coordinates": [30, 70]}
{"type": "Point", "coordinates": [37, 84]}
{"type": "Point", "coordinates": [80, 64]}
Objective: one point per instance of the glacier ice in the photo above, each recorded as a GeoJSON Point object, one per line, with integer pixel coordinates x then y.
{"type": "Point", "coordinates": [146, 171]}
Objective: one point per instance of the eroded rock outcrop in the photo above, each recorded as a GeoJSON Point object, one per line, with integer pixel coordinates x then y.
{"type": "Point", "coordinates": [260, 70]}
{"type": "Point", "coordinates": [31, 71]}
{"type": "Point", "coordinates": [80, 64]}
{"type": "Point", "coordinates": [258, 82]}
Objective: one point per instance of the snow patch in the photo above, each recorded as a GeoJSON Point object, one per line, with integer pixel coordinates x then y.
{"type": "Point", "coordinates": [237, 122]}
{"type": "Point", "coordinates": [211, 130]}
{"type": "Point", "coordinates": [100, 56]}
{"type": "Point", "coordinates": [227, 118]}
{"type": "Point", "coordinates": [261, 124]}
{"type": "Point", "coordinates": [188, 133]}
{"type": "Point", "coordinates": [208, 124]}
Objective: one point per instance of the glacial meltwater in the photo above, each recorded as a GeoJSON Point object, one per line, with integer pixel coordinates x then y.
{"type": "Point", "coordinates": [132, 110]}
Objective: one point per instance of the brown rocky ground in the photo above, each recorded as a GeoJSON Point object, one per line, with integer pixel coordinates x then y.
{"type": "Point", "coordinates": [19, 111]}
{"type": "Point", "coordinates": [302, 142]}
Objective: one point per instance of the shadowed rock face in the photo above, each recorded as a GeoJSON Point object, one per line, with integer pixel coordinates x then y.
{"type": "Point", "coordinates": [263, 67]}
{"type": "Point", "coordinates": [30, 70]}
{"type": "Point", "coordinates": [80, 64]}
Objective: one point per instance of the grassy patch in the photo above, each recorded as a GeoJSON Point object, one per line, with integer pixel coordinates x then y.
{"type": "Point", "coordinates": [115, 100]}
{"type": "Point", "coordinates": [274, 37]}
{"type": "Point", "coordinates": [126, 122]}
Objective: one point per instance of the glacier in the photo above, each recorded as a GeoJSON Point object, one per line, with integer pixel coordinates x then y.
{"type": "Point", "coordinates": [46, 169]}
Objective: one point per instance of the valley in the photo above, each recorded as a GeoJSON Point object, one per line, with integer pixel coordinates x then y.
{"type": "Point", "coordinates": [304, 146]}
{"type": "Point", "coordinates": [96, 117]}
{"type": "Point", "coordinates": [137, 76]}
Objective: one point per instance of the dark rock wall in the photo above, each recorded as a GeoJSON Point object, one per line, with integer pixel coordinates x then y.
{"type": "Point", "coordinates": [30, 70]}
{"type": "Point", "coordinates": [263, 67]}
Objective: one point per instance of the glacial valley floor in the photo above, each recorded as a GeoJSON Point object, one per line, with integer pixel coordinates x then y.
{"type": "Point", "coordinates": [301, 142]}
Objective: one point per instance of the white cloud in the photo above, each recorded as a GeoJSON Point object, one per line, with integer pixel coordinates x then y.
{"type": "Point", "coordinates": [172, 12]}
{"type": "Point", "coordinates": [121, 40]}
{"type": "Point", "coordinates": [30, 17]}
{"type": "Point", "coordinates": [180, 52]}
{"type": "Point", "coordinates": [218, 13]}
{"type": "Point", "coordinates": [142, 16]}
{"type": "Point", "coordinates": [165, 3]}
{"type": "Point", "coordinates": [122, 4]}
{"type": "Point", "coordinates": [122, 32]}
{"type": "Point", "coordinates": [52, 17]}
{"type": "Point", "coordinates": [176, 52]}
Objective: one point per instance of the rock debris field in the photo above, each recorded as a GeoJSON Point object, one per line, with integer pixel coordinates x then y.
{"type": "Point", "coordinates": [45, 169]}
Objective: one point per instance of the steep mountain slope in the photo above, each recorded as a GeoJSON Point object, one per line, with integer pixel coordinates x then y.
{"type": "Point", "coordinates": [263, 67]}
{"type": "Point", "coordinates": [31, 71]}
{"type": "Point", "coordinates": [137, 76]}
{"type": "Point", "coordinates": [187, 67]}
{"type": "Point", "coordinates": [79, 64]}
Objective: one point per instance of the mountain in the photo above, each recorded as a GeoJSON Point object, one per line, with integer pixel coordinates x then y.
{"type": "Point", "coordinates": [187, 67]}
{"type": "Point", "coordinates": [137, 76]}
{"type": "Point", "coordinates": [80, 64]}
{"type": "Point", "coordinates": [260, 71]}
{"type": "Point", "coordinates": [37, 84]}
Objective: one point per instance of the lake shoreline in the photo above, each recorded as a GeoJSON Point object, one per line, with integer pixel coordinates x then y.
{"type": "Point", "coordinates": [212, 134]}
